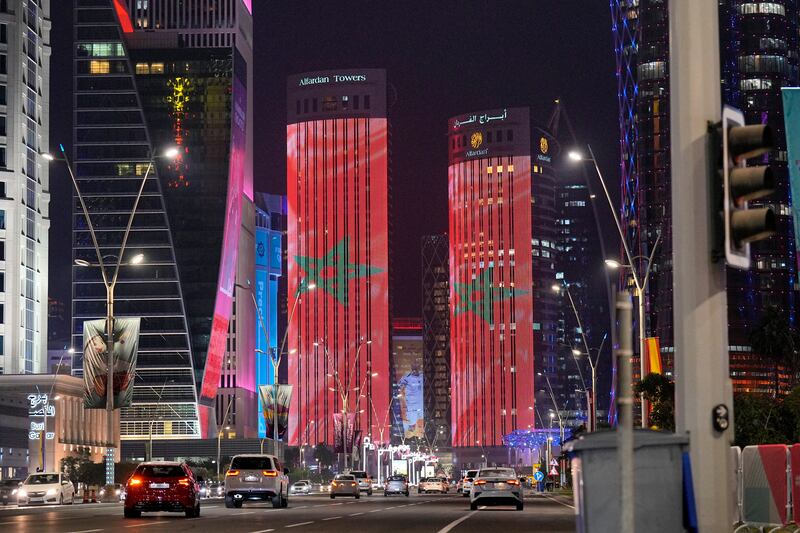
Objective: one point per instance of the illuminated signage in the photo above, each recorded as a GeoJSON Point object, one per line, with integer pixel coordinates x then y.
{"type": "Point", "coordinates": [476, 140]}
{"type": "Point", "coordinates": [480, 119]}
{"type": "Point", "coordinates": [336, 78]}
{"type": "Point", "coordinates": [543, 145]}
{"type": "Point", "coordinates": [39, 405]}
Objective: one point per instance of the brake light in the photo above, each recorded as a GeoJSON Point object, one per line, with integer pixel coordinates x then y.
{"type": "Point", "coordinates": [480, 482]}
{"type": "Point", "coordinates": [352, 484]}
{"type": "Point", "coordinates": [184, 481]}
{"type": "Point", "coordinates": [513, 482]}
{"type": "Point", "coordinates": [232, 473]}
{"type": "Point", "coordinates": [270, 473]}
{"type": "Point", "coordinates": [334, 484]}
{"type": "Point", "coordinates": [134, 481]}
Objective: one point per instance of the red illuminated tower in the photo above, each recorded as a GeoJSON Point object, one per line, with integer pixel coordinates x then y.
{"type": "Point", "coordinates": [338, 270]}
{"type": "Point", "coordinates": [491, 281]}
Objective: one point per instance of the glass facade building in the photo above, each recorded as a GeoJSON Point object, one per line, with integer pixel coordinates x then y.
{"type": "Point", "coordinates": [148, 78]}
{"type": "Point", "coordinates": [436, 336]}
{"type": "Point", "coordinates": [338, 240]}
{"type": "Point", "coordinates": [24, 184]}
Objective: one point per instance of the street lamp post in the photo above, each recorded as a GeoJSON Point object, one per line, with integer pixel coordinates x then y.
{"type": "Point", "coordinates": [219, 434]}
{"type": "Point", "coordinates": [110, 281]}
{"type": "Point", "coordinates": [149, 455]}
{"type": "Point", "coordinates": [555, 405]}
{"type": "Point", "coordinates": [639, 281]}
{"type": "Point", "coordinates": [275, 359]}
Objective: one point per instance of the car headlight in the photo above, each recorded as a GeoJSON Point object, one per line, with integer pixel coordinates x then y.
{"type": "Point", "coordinates": [116, 492]}
{"type": "Point", "coordinates": [14, 492]}
{"type": "Point", "coordinates": [51, 492]}
{"type": "Point", "coordinates": [22, 493]}
{"type": "Point", "coordinates": [102, 492]}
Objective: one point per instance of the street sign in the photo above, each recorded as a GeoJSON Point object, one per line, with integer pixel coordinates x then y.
{"type": "Point", "coordinates": [538, 476]}
{"type": "Point", "coordinates": [554, 471]}
{"type": "Point", "coordinates": [553, 462]}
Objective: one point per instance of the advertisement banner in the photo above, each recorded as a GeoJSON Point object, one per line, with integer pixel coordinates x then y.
{"type": "Point", "coordinates": [338, 430]}
{"type": "Point", "coordinates": [791, 114]}
{"type": "Point", "coordinates": [653, 359]}
{"type": "Point", "coordinates": [412, 404]}
{"type": "Point", "coordinates": [95, 361]}
{"type": "Point", "coordinates": [267, 395]}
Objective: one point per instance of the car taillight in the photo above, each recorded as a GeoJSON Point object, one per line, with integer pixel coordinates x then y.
{"type": "Point", "coordinates": [352, 483]}
{"type": "Point", "coordinates": [134, 481]}
{"type": "Point", "coordinates": [270, 473]}
{"type": "Point", "coordinates": [184, 481]}
{"type": "Point", "coordinates": [334, 484]}
{"type": "Point", "coordinates": [513, 482]}
{"type": "Point", "coordinates": [232, 473]}
{"type": "Point", "coordinates": [480, 482]}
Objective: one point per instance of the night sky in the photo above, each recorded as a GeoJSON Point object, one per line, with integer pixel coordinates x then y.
{"type": "Point", "coordinates": [442, 58]}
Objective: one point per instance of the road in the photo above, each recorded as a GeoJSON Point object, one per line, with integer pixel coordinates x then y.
{"type": "Point", "coordinates": [307, 514]}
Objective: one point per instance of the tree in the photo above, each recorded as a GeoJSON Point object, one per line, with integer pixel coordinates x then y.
{"type": "Point", "coordinates": [775, 340]}
{"type": "Point", "coordinates": [758, 419]}
{"type": "Point", "coordinates": [291, 456]}
{"type": "Point", "coordinates": [659, 391]}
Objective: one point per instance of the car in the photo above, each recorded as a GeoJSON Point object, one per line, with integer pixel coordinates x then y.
{"type": "Point", "coordinates": [364, 481]}
{"type": "Point", "coordinates": [8, 490]}
{"type": "Point", "coordinates": [325, 486]}
{"type": "Point", "coordinates": [162, 486]}
{"type": "Point", "coordinates": [432, 484]}
{"type": "Point", "coordinates": [300, 487]}
{"type": "Point", "coordinates": [496, 486]}
{"type": "Point", "coordinates": [396, 484]}
{"type": "Point", "coordinates": [46, 488]}
{"type": "Point", "coordinates": [256, 477]}
{"type": "Point", "coordinates": [115, 494]}
{"type": "Point", "coordinates": [459, 485]}
{"type": "Point", "coordinates": [212, 490]}
{"type": "Point", "coordinates": [466, 483]}
{"type": "Point", "coordinates": [345, 485]}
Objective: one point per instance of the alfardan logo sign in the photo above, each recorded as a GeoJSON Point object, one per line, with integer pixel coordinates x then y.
{"type": "Point", "coordinates": [478, 296]}
{"type": "Point", "coordinates": [336, 78]}
{"type": "Point", "coordinates": [333, 272]}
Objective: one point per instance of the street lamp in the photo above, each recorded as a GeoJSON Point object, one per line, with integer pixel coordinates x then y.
{"type": "Point", "coordinates": [110, 281]}
{"type": "Point", "coordinates": [275, 359]}
{"type": "Point", "coordinates": [637, 279]}
{"type": "Point", "coordinates": [219, 434]}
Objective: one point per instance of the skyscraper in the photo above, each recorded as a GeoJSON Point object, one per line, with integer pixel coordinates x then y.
{"type": "Point", "coordinates": [758, 56]}
{"type": "Point", "coordinates": [338, 249]}
{"type": "Point", "coordinates": [149, 75]}
{"type": "Point", "coordinates": [490, 176]}
{"type": "Point", "coordinates": [270, 223]}
{"type": "Point", "coordinates": [436, 336]}
{"type": "Point", "coordinates": [24, 187]}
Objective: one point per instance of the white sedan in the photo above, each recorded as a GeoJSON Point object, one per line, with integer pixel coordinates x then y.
{"type": "Point", "coordinates": [46, 488]}
{"type": "Point", "coordinates": [496, 486]}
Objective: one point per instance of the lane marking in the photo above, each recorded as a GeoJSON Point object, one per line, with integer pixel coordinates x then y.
{"type": "Point", "coordinates": [300, 524]}
{"type": "Point", "coordinates": [86, 531]}
{"type": "Point", "coordinates": [301, 507]}
{"type": "Point", "coordinates": [376, 511]}
{"type": "Point", "coordinates": [357, 514]}
{"type": "Point", "coordinates": [247, 512]}
{"type": "Point", "coordinates": [559, 502]}
{"type": "Point", "coordinates": [262, 531]}
{"type": "Point", "coordinates": [330, 518]}
{"type": "Point", "coordinates": [158, 523]}
{"type": "Point", "coordinates": [454, 523]}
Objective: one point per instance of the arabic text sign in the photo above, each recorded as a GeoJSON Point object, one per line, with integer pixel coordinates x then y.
{"type": "Point", "coordinates": [484, 118]}
{"type": "Point", "coordinates": [38, 405]}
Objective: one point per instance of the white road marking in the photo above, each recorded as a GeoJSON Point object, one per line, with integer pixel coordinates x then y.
{"type": "Point", "coordinates": [454, 523]}
{"type": "Point", "coordinates": [300, 524]}
{"type": "Point", "coordinates": [330, 518]}
{"type": "Point", "coordinates": [86, 531]}
{"type": "Point", "coordinates": [301, 507]}
{"type": "Point", "coordinates": [559, 502]}
{"type": "Point", "coordinates": [247, 512]}
{"type": "Point", "coordinates": [262, 531]}
{"type": "Point", "coordinates": [357, 514]}
{"type": "Point", "coordinates": [340, 503]}
{"type": "Point", "coordinates": [159, 523]}
{"type": "Point", "coordinates": [376, 511]}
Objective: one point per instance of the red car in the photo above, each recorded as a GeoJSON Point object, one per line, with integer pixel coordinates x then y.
{"type": "Point", "coordinates": [162, 486]}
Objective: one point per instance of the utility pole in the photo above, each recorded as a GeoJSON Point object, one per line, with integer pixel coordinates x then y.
{"type": "Point", "coordinates": [702, 378]}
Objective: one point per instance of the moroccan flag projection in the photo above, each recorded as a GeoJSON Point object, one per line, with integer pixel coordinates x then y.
{"type": "Point", "coordinates": [338, 277]}
{"type": "Point", "coordinates": [489, 179]}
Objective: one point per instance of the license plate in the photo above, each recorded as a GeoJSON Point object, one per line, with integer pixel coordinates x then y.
{"type": "Point", "coordinates": [159, 485]}
{"type": "Point", "coordinates": [251, 478]}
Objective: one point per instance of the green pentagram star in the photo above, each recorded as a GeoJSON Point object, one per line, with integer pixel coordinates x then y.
{"type": "Point", "coordinates": [337, 260]}
{"type": "Point", "coordinates": [483, 306]}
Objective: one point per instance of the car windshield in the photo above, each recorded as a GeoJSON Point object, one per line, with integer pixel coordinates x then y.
{"type": "Point", "coordinates": [359, 473]}
{"type": "Point", "coordinates": [397, 478]}
{"type": "Point", "coordinates": [41, 479]}
{"type": "Point", "coordinates": [152, 471]}
{"type": "Point", "coordinates": [434, 480]}
{"type": "Point", "coordinates": [498, 472]}
{"type": "Point", "coordinates": [344, 477]}
{"type": "Point", "coordinates": [300, 484]}
{"type": "Point", "coordinates": [251, 463]}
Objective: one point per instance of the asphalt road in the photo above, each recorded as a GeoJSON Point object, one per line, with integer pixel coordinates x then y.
{"type": "Point", "coordinates": [307, 514]}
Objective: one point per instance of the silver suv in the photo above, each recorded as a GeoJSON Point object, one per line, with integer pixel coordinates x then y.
{"type": "Point", "coordinates": [364, 481]}
{"type": "Point", "coordinates": [255, 477]}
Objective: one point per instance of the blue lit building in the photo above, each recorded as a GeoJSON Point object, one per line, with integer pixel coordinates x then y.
{"type": "Point", "coordinates": [270, 223]}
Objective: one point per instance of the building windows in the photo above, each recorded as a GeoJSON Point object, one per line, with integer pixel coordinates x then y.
{"type": "Point", "coordinates": [3, 33]}
{"type": "Point", "coordinates": [653, 70]}
{"type": "Point", "coordinates": [366, 101]}
{"type": "Point", "coordinates": [356, 101]}
{"type": "Point", "coordinates": [328, 103]}
{"type": "Point", "coordinates": [2, 250]}
{"type": "Point", "coordinates": [3, 157]}
{"type": "Point", "coordinates": [2, 314]}
{"type": "Point", "coordinates": [755, 84]}
{"type": "Point", "coordinates": [2, 219]}
{"type": "Point", "coordinates": [99, 67]}
{"type": "Point", "coordinates": [763, 63]}
{"type": "Point", "coordinates": [101, 50]}
{"type": "Point", "coordinates": [156, 68]}
{"type": "Point", "coordinates": [142, 68]}
{"type": "Point", "coordinates": [765, 8]}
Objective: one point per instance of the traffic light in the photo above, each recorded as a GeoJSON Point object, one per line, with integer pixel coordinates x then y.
{"type": "Point", "coordinates": [742, 183]}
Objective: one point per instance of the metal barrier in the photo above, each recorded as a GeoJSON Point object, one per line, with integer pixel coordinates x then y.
{"type": "Point", "coordinates": [764, 491]}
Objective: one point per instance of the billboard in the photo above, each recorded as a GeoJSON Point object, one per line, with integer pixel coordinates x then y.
{"type": "Point", "coordinates": [95, 361]}
{"type": "Point", "coordinates": [337, 240]}
{"type": "Point", "coordinates": [339, 430]}
{"type": "Point", "coordinates": [230, 244]}
{"type": "Point", "coordinates": [267, 395]}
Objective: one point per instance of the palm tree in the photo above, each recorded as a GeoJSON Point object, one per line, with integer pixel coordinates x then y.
{"type": "Point", "coordinates": [775, 339]}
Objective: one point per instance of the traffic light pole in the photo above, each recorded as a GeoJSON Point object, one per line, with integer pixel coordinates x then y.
{"type": "Point", "coordinates": [702, 377]}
